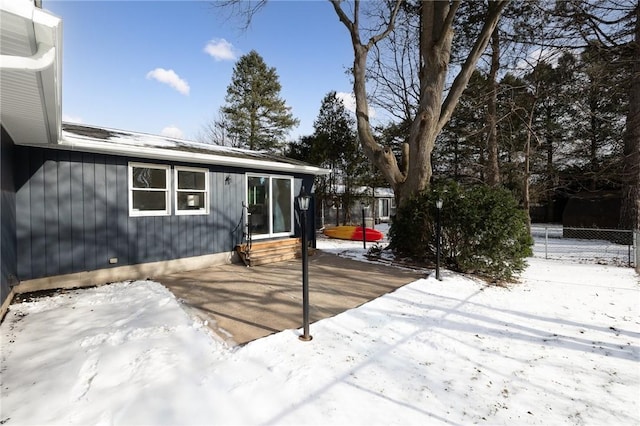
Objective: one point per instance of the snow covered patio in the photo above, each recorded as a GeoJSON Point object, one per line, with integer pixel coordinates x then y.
{"type": "Point", "coordinates": [561, 347]}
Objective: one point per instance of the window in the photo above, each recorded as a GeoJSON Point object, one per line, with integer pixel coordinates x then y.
{"type": "Point", "coordinates": [270, 201]}
{"type": "Point", "coordinates": [192, 190]}
{"type": "Point", "coordinates": [149, 190]}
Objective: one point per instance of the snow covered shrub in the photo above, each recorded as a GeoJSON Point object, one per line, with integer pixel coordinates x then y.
{"type": "Point", "coordinates": [484, 231]}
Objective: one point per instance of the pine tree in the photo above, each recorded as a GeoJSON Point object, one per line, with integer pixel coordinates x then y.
{"type": "Point", "coordinates": [334, 144]}
{"type": "Point", "coordinates": [258, 118]}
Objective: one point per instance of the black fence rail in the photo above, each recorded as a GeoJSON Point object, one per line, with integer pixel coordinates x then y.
{"type": "Point", "coordinates": [586, 245]}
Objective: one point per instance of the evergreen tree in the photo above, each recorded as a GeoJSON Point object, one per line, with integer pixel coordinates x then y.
{"type": "Point", "coordinates": [256, 115]}
{"type": "Point", "coordinates": [334, 144]}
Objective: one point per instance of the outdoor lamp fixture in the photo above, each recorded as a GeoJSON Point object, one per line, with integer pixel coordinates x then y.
{"type": "Point", "coordinates": [438, 210]}
{"type": "Point", "coordinates": [303, 204]}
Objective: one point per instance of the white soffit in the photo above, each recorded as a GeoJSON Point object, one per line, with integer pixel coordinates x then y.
{"type": "Point", "coordinates": [30, 66]}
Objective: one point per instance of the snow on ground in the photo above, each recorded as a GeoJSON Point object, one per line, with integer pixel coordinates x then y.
{"type": "Point", "coordinates": [561, 347]}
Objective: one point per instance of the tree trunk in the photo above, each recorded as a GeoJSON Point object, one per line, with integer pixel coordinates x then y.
{"type": "Point", "coordinates": [630, 209]}
{"type": "Point", "coordinates": [493, 170]}
{"type": "Point", "coordinates": [550, 180]}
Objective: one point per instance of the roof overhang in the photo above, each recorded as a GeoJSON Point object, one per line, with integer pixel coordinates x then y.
{"type": "Point", "coordinates": [30, 73]}
{"type": "Point", "coordinates": [158, 148]}
{"type": "Point", "coordinates": [163, 154]}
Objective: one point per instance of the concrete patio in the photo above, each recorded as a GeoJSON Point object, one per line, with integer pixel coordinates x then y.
{"type": "Point", "coordinates": [242, 304]}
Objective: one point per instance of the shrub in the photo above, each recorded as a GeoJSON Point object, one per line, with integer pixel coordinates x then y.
{"type": "Point", "coordinates": [484, 231]}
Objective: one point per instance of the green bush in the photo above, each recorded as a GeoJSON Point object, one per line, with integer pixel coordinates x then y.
{"type": "Point", "coordinates": [484, 232]}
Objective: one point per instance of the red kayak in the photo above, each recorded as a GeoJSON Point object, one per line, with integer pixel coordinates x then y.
{"type": "Point", "coordinates": [354, 233]}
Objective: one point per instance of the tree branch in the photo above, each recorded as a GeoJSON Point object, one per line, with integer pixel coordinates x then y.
{"type": "Point", "coordinates": [461, 80]}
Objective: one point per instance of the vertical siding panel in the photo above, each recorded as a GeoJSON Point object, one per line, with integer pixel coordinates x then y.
{"type": "Point", "coordinates": [38, 259]}
{"type": "Point", "coordinates": [154, 236]}
{"type": "Point", "coordinates": [216, 213]}
{"type": "Point", "coordinates": [209, 235]}
{"type": "Point", "coordinates": [189, 225]}
{"type": "Point", "coordinates": [132, 230]}
{"type": "Point", "coordinates": [213, 213]}
{"type": "Point", "coordinates": [230, 224]}
{"type": "Point", "coordinates": [64, 213]}
{"type": "Point", "coordinates": [122, 211]}
{"type": "Point", "coordinates": [77, 212]}
{"type": "Point", "coordinates": [238, 198]}
{"type": "Point", "coordinates": [152, 228]}
{"type": "Point", "coordinates": [100, 179]}
{"type": "Point", "coordinates": [163, 230]}
{"type": "Point", "coordinates": [140, 242]}
{"type": "Point", "coordinates": [23, 213]}
{"type": "Point", "coordinates": [111, 210]}
{"type": "Point", "coordinates": [89, 197]}
{"type": "Point", "coordinates": [182, 236]}
{"type": "Point", "coordinates": [52, 242]}
{"type": "Point", "coordinates": [224, 224]}
{"type": "Point", "coordinates": [201, 233]}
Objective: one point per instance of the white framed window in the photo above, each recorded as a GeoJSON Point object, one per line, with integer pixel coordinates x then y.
{"type": "Point", "coordinates": [192, 190]}
{"type": "Point", "coordinates": [149, 186]}
{"type": "Point", "coordinates": [270, 200]}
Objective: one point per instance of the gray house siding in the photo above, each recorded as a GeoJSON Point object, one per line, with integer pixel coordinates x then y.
{"type": "Point", "coordinates": [8, 244]}
{"type": "Point", "coordinates": [73, 215]}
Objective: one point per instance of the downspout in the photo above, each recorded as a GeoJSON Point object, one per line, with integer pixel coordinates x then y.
{"type": "Point", "coordinates": [41, 60]}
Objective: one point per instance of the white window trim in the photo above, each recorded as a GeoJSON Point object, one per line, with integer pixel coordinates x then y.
{"type": "Point", "coordinates": [166, 190]}
{"type": "Point", "coordinates": [292, 203]}
{"type": "Point", "coordinates": [205, 210]}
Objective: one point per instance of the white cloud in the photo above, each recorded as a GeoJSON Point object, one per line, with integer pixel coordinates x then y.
{"type": "Point", "coordinates": [172, 132]}
{"type": "Point", "coordinates": [72, 119]}
{"type": "Point", "coordinates": [349, 101]}
{"type": "Point", "coordinates": [171, 78]}
{"type": "Point", "coordinates": [220, 50]}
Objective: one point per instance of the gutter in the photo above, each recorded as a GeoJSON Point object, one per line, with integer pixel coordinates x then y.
{"type": "Point", "coordinates": [41, 60]}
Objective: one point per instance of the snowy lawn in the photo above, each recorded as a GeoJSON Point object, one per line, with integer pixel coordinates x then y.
{"type": "Point", "coordinates": [561, 347]}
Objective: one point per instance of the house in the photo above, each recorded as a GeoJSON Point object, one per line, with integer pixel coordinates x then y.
{"type": "Point", "coordinates": [379, 203]}
{"type": "Point", "coordinates": [84, 205]}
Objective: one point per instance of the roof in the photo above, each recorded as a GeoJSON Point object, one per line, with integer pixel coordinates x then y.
{"type": "Point", "coordinates": [30, 72]}
{"type": "Point", "coordinates": [120, 142]}
{"type": "Point", "coordinates": [378, 192]}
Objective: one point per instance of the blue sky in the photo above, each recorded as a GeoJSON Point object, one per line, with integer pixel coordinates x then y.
{"type": "Point", "coordinates": [143, 65]}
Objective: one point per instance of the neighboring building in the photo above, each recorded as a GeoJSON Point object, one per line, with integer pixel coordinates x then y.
{"type": "Point", "coordinates": [86, 205]}
{"type": "Point", "coordinates": [379, 203]}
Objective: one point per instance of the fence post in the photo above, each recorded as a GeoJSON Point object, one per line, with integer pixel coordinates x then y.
{"type": "Point", "coordinates": [546, 240]}
{"type": "Point", "coordinates": [636, 245]}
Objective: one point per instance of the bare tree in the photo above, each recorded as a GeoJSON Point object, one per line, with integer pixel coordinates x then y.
{"type": "Point", "coordinates": [435, 104]}
{"type": "Point", "coordinates": [436, 101]}
{"type": "Point", "coordinates": [216, 132]}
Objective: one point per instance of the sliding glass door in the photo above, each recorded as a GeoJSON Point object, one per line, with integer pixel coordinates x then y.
{"type": "Point", "coordinates": [270, 201]}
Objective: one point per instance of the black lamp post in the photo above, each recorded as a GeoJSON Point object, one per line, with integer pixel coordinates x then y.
{"type": "Point", "coordinates": [438, 209]}
{"type": "Point", "coordinates": [364, 224]}
{"type": "Point", "coordinates": [303, 203]}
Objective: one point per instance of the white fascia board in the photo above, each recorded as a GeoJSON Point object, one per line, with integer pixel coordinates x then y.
{"type": "Point", "coordinates": [97, 146]}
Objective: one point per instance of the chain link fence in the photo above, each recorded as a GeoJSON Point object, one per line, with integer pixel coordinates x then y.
{"type": "Point", "coordinates": [586, 245]}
